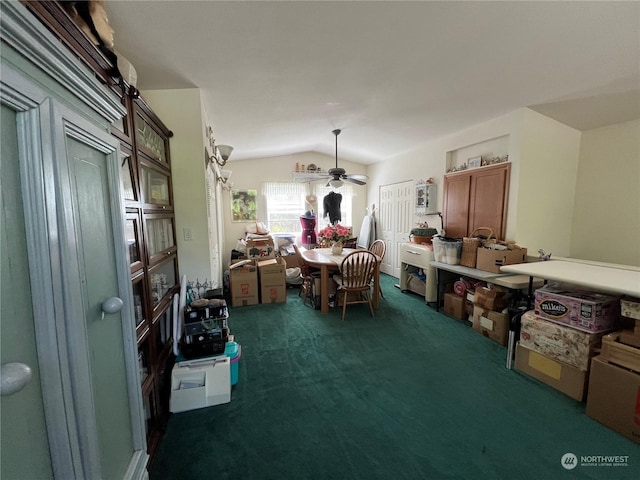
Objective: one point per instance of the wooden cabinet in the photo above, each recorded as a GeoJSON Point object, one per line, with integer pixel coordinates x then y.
{"type": "Point", "coordinates": [476, 198]}
{"type": "Point", "coordinates": [150, 231]}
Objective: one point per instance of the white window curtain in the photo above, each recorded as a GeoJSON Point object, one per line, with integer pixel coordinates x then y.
{"type": "Point", "coordinates": [283, 188]}
{"type": "Point", "coordinates": [347, 191]}
{"type": "Point", "coordinates": [284, 203]}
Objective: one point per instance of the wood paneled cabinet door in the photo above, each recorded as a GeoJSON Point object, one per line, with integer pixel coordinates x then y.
{"type": "Point", "coordinates": [476, 198]}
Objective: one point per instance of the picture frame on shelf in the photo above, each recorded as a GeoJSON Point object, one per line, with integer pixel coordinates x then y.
{"type": "Point", "coordinates": [244, 205]}
{"type": "Point", "coordinates": [475, 162]}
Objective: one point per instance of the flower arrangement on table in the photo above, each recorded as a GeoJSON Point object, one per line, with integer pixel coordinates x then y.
{"type": "Point", "coordinates": [335, 234]}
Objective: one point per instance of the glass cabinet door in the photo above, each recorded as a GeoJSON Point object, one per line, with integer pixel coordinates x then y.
{"type": "Point", "coordinates": [149, 141]}
{"type": "Point", "coordinates": [162, 279]}
{"type": "Point", "coordinates": [155, 187]}
{"type": "Point", "coordinates": [132, 232]}
{"type": "Point", "coordinates": [160, 235]}
{"type": "Point", "coordinates": [128, 175]}
{"type": "Point", "coordinates": [140, 307]}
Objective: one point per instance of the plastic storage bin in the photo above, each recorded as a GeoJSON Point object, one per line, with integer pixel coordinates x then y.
{"type": "Point", "coordinates": [447, 250]}
{"type": "Point", "coordinates": [234, 351]}
{"type": "Point", "coordinates": [200, 383]}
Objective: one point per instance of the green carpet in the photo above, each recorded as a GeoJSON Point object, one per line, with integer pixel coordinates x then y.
{"type": "Point", "coordinates": [409, 394]}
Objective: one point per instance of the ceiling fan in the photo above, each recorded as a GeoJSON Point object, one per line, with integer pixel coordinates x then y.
{"type": "Point", "coordinates": [337, 176]}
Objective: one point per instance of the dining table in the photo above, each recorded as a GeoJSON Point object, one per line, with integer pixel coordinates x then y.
{"type": "Point", "coordinates": [329, 263]}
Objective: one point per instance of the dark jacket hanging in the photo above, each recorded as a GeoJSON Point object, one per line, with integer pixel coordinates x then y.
{"type": "Point", "coordinates": [331, 204]}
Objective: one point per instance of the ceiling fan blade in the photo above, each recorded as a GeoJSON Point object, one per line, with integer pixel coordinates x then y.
{"type": "Point", "coordinates": [357, 176]}
{"type": "Point", "coordinates": [350, 179]}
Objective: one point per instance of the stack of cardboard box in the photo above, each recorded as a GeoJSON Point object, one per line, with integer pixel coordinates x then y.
{"type": "Point", "coordinates": [614, 383]}
{"type": "Point", "coordinates": [273, 280]}
{"type": "Point", "coordinates": [261, 277]}
{"type": "Point", "coordinates": [559, 338]}
{"type": "Point", "coordinates": [488, 317]}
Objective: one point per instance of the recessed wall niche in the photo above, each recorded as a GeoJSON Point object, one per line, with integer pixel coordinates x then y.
{"type": "Point", "coordinates": [459, 158]}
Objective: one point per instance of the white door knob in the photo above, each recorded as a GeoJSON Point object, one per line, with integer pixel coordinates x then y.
{"type": "Point", "coordinates": [13, 377]}
{"type": "Point", "coordinates": [112, 305]}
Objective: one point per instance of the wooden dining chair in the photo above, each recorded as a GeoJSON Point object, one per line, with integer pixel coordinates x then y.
{"type": "Point", "coordinates": [379, 248]}
{"type": "Point", "coordinates": [354, 279]}
{"type": "Point", "coordinates": [306, 287]}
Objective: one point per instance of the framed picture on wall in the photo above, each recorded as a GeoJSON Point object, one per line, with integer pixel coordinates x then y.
{"type": "Point", "coordinates": [475, 162]}
{"type": "Point", "coordinates": [244, 205]}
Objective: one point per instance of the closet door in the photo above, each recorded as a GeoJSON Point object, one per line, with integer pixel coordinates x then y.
{"type": "Point", "coordinates": [488, 199]}
{"type": "Point", "coordinates": [456, 204]}
{"type": "Point", "coordinates": [476, 198]}
{"type": "Point", "coordinates": [395, 220]}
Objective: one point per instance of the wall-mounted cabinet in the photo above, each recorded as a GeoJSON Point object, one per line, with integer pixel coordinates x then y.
{"type": "Point", "coordinates": [476, 198]}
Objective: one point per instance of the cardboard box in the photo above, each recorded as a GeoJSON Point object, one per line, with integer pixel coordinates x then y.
{"type": "Point", "coordinates": [614, 351]}
{"type": "Point", "coordinates": [292, 261]}
{"type": "Point", "coordinates": [584, 310]}
{"type": "Point", "coordinates": [560, 342]}
{"type": "Point", "coordinates": [493, 325]}
{"type": "Point", "coordinates": [614, 398]}
{"type": "Point", "coordinates": [244, 284]}
{"type": "Point", "coordinates": [630, 308]}
{"type": "Point", "coordinates": [468, 303]}
{"type": "Point", "coordinates": [273, 280]}
{"type": "Point", "coordinates": [260, 249]}
{"type": "Point", "coordinates": [454, 306]}
{"type": "Point", "coordinates": [491, 260]}
{"type": "Point", "coordinates": [567, 379]}
{"type": "Point", "coordinates": [491, 298]}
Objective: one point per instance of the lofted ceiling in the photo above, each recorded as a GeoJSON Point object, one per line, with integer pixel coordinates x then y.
{"type": "Point", "coordinates": [277, 77]}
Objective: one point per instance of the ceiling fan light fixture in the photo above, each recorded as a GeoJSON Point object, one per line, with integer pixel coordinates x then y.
{"type": "Point", "coordinates": [336, 183]}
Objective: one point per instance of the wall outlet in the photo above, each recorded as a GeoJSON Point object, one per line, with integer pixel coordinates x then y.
{"type": "Point", "coordinates": [186, 232]}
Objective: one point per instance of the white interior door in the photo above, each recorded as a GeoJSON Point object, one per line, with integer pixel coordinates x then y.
{"type": "Point", "coordinates": [395, 220]}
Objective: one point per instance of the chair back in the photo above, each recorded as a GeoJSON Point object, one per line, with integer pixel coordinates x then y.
{"type": "Point", "coordinates": [378, 248]}
{"type": "Point", "coordinates": [357, 269]}
{"type": "Point", "coordinates": [304, 268]}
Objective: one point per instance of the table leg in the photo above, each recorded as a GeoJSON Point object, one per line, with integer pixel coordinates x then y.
{"type": "Point", "coordinates": [376, 286]}
{"type": "Point", "coordinates": [324, 289]}
{"type": "Point", "coordinates": [438, 275]}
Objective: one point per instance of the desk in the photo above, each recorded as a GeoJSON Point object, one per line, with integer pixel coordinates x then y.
{"type": "Point", "coordinates": [323, 259]}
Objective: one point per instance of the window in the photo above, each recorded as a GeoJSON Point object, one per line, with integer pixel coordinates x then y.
{"type": "Point", "coordinates": [284, 205]}
{"type": "Point", "coordinates": [346, 212]}
{"type": "Point", "coordinates": [285, 202]}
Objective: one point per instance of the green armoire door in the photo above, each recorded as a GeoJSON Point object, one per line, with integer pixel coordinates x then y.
{"type": "Point", "coordinates": [96, 259]}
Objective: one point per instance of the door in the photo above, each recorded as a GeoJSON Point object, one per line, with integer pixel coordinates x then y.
{"type": "Point", "coordinates": [476, 198]}
{"type": "Point", "coordinates": [92, 218]}
{"type": "Point", "coordinates": [456, 204]}
{"type": "Point", "coordinates": [396, 219]}
{"type": "Point", "coordinates": [489, 199]}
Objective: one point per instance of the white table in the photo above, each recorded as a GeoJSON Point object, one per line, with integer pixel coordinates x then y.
{"type": "Point", "coordinates": [504, 279]}
{"type": "Point", "coordinates": [603, 277]}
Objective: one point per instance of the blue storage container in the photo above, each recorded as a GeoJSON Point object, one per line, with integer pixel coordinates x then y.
{"type": "Point", "coordinates": [233, 351]}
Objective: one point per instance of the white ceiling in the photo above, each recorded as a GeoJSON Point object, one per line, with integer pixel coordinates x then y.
{"type": "Point", "coordinates": [277, 77]}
